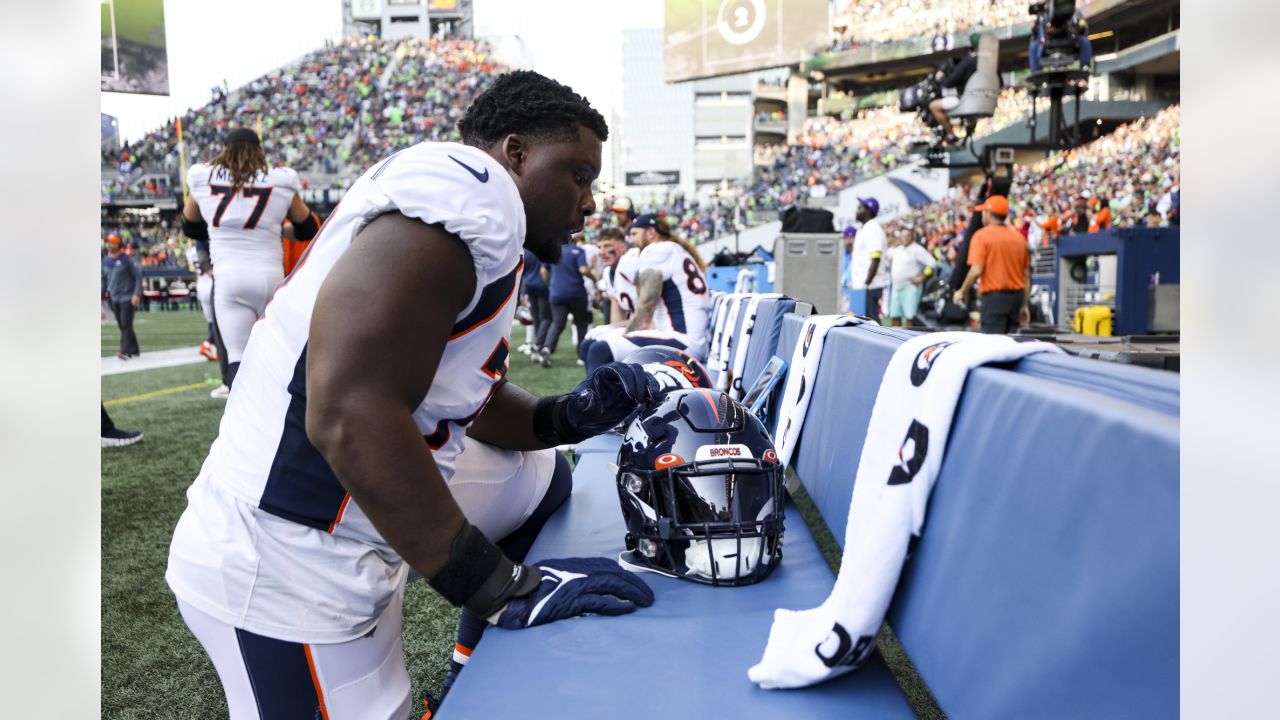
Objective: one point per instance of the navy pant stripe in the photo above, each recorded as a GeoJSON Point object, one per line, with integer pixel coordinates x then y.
{"type": "Point", "coordinates": [281, 677]}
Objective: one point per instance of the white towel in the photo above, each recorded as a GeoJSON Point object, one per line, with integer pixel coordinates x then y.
{"type": "Point", "coordinates": [727, 341]}
{"type": "Point", "coordinates": [719, 316]}
{"type": "Point", "coordinates": [900, 459]}
{"type": "Point", "coordinates": [736, 389]}
{"type": "Point", "coordinates": [801, 374]}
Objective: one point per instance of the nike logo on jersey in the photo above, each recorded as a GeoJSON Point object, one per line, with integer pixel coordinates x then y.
{"type": "Point", "coordinates": [482, 177]}
{"type": "Point", "coordinates": [560, 578]}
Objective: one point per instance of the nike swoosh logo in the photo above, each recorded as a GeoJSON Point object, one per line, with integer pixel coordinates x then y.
{"type": "Point", "coordinates": [482, 177]}
{"type": "Point", "coordinates": [562, 578]}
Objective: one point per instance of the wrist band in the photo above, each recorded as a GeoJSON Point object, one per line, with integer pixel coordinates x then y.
{"type": "Point", "coordinates": [478, 576]}
{"type": "Point", "coordinates": [551, 422]}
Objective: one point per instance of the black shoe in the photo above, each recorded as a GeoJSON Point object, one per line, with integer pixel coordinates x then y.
{"type": "Point", "coordinates": [544, 358]}
{"type": "Point", "coordinates": [115, 437]}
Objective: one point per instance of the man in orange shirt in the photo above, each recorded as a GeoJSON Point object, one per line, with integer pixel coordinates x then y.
{"type": "Point", "coordinates": [999, 256]}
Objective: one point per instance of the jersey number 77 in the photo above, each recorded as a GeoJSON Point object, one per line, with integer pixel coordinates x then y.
{"type": "Point", "coordinates": [263, 194]}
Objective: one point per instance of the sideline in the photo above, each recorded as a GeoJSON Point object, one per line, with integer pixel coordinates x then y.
{"type": "Point", "coordinates": [155, 393]}
{"type": "Point", "coordinates": [112, 365]}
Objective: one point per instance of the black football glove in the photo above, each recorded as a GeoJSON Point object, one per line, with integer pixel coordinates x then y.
{"type": "Point", "coordinates": [608, 396]}
{"type": "Point", "coordinates": [576, 586]}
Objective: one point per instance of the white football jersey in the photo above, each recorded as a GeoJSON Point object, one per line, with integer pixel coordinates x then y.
{"type": "Point", "coordinates": [270, 541]}
{"type": "Point", "coordinates": [622, 284]}
{"type": "Point", "coordinates": [245, 225]}
{"type": "Point", "coordinates": [686, 302]}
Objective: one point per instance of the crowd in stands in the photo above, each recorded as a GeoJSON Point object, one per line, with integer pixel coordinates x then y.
{"type": "Point", "coordinates": [882, 22]}
{"type": "Point", "coordinates": [153, 241]}
{"type": "Point", "coordinates": [1130, 178]}
{"type": "Point", "coordinates": [334, 112]}
{"type": "Point", "coordinates": [833, 153]}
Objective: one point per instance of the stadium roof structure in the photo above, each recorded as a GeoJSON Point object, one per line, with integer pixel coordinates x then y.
{"type": "Point", "coordinates": [1114, 25]}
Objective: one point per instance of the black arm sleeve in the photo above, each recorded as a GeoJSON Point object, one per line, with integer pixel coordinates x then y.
{"type": "Point", "coordinates": [195, 230]}
{"type": "Point", "coordinates": [306, 229]}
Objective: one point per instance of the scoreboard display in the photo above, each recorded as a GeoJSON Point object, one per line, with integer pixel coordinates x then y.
{"type": "Point", "coordinates": [706, 38]}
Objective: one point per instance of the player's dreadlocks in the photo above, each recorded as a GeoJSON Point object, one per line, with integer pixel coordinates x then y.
{"type": "Point", "coordinates": [664, 231]}
{"type": "Point", "coordinates": [242, 157]}
{"type": "Point", "coordinates": [530, 104]}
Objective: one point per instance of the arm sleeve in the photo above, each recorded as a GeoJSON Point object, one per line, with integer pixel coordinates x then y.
{"type": "Point", "coordinates": [137, 277]}
{"type": "Point", "coordinates": [978, 253]}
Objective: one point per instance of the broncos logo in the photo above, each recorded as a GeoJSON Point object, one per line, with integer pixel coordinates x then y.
{"type": "Point", "coordinates": [924, 362]}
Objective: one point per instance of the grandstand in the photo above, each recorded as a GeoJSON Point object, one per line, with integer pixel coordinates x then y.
{"type": "Point", "coordinates": [822, 139]}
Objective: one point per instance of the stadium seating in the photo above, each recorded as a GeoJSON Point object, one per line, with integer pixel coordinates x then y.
{"type": "Point", "coordinates": [1116, 170]}
{"type": "Point", "coordinates": [1045, 584]}
{"type": "Point", "coordinates": [870, 23]}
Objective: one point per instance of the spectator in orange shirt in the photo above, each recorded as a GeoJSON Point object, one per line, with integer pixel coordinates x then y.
{"type": "Point", "coordinates": [999, 257]}
{"type": "Point", "coordinates": [1102, 220]}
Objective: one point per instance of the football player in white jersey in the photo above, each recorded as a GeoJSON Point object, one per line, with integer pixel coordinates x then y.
{"type": "Point", "coordinates": [237, 204]}
{"type": "Point", "coordinates": [334, 468]}
{"type": "Point", "coordinates": [672, 304]}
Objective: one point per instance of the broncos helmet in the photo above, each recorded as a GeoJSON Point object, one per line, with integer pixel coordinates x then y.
{"type": "Point", "coordinates": [701, 490]}
{"type": "Point", "coordinates": [673, 368]}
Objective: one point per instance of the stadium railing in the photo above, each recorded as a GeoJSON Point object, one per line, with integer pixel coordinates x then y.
{"type": "Point", "coordinates": [1045, 583]}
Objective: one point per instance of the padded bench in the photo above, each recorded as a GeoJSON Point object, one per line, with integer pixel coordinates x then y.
{"type": "Point", "coordinates": [686, 656]}
{"type": "Point", "coordinates": [1045, 584]}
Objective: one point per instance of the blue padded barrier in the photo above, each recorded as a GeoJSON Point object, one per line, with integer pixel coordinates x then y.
{"type": "Point", "coordinates": [686, 656]}
{"type": "Point", "coordinates": [1046, 580]}
{"type": "Point", "coordinates": [764, 337]}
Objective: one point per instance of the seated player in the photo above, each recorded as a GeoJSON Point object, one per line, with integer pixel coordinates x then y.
{"type": "Point", "coordinates": [386, 350]}
{"type": "Point", "coordinates": [672, 303]}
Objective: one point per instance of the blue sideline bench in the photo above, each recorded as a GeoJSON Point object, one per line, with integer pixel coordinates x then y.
{"type": "Point", "coordinates": [1045, 585]}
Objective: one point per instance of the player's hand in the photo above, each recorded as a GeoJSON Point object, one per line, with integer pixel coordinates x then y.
{"type": "Point", "coordinates": [576, 586]}
{"type": "Point", "coordinates": [1024, 316]}
{"type": "Point", "coordinates": [958, 297]}
{"type": "Point", "coordinates": [608, 396]}
{"type": "Point", "coordinates": [135, 300]}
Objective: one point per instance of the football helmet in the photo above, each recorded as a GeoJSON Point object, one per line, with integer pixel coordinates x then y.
{"type": "Point", "coordinates": [701, 490]}
{"type": "Point", "coordinates": [674, 369]}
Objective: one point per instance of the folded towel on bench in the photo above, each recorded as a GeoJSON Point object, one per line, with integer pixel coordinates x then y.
{"type": "Point", "coordinates": [906, 437]}
{"type": "Point", "coordinates": [801, 374]}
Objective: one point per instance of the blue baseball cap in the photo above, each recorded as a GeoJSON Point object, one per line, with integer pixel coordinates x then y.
{"type": "Point", "coordinates": [647, 220]}
{"type": "Point", "coordinates": [872, 204]}
{"type": "Point", "coordinates": [850, 231]}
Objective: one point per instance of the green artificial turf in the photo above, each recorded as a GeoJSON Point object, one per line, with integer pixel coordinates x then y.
{"type": "Point", "coordinates": [159, 331]}
{"type": "Point", "coordinates": [151, 666]}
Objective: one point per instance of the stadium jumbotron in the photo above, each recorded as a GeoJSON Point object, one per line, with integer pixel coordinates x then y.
{"type": "Point", "coordinates": [710, 349]}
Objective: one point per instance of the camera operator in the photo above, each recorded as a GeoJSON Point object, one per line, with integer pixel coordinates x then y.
{"type": "Point", "coordinates": [1077, 27]}
{"type": "Point", "coordinates": [952, 79]}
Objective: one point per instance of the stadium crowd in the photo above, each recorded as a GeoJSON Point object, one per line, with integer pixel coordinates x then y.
{"type": "Point", "coordinates": [334, 112]}
{"type": "Point", "coordinates": [869, 23]}
{"type": "Point", "coordinates": [1111, 182]}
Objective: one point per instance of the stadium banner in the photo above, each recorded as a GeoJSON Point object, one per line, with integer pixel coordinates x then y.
{"type": "Point", "coordinates": [135, 57]}
{"type": "Point", "coordinates": [706, 38]}
{"type": "Point", "coordinates": [897, 191]}
{"type": "Point", "coordinates": [654, 177]}
{"type": "Point", "coordinates": [366, 9]}
{"type": "Point", "coordinates": [443, 8]}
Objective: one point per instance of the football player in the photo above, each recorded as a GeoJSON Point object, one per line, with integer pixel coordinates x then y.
{"type": "Point", "coordinates": [334, 470]}
{"type": "Point", "coordinates": [672, 304]}
{"type": "Point", "coordinates": [237, 206]}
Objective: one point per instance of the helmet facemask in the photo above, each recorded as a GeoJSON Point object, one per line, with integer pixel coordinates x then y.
{"type": "Point", "coordinates": [716, 522]}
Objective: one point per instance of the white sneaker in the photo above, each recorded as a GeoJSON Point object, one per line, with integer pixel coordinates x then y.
{"type": "Point", "coordinates": [222, 392]}
{"type": "Point", "coordinates": [525, 348]}
{"type": "Point", "coordinates": [581, 363]}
